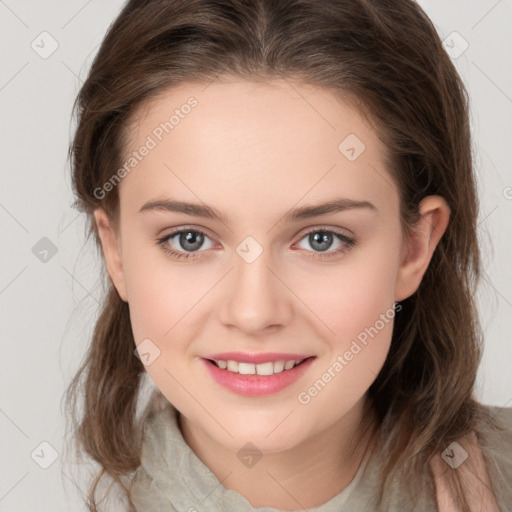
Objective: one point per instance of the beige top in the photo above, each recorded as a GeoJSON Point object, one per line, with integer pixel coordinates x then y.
{"type": "Point", "coordinates": [172, 478]}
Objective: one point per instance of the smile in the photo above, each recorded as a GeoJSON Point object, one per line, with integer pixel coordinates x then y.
{"type": "Point", "coordinates": [268, 368]}
{"type": "Point", "coordinates": [257, 378]}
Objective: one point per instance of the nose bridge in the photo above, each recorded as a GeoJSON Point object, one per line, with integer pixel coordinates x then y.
{"type": "Point", "coordinates": [256, 298]}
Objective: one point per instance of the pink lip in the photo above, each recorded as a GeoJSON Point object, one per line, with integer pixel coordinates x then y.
{"type": "Point", "coordinates": [257, 385]}
{"type": "Point", "coordinates": [243, 357]}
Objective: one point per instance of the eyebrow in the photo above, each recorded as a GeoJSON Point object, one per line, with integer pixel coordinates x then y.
{"type": "Point", "coordinates": [296, 214]}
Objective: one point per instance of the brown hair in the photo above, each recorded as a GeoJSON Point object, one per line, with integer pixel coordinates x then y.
{"type": "Point", "coordinates": [385, 57]}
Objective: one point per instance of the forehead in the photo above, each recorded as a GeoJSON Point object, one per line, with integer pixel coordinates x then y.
{"type": "Point", "coordinates": [248, 145]}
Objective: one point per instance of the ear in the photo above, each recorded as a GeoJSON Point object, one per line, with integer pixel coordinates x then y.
{"type": "Point", "coordinates": [111, 251]}
{"type": "Point", "coordinates": [420, 245]}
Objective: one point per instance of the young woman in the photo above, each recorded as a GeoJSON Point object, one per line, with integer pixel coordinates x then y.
{"type": "Point", "coordinates": [284, 198]}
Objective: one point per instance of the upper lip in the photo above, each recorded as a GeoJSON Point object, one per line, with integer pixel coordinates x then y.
{"type": "Point", "coordinates": [243, 357]}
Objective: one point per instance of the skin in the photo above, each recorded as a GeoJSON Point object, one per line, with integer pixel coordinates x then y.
{"type": "Point", "coordinates": [254, 151]}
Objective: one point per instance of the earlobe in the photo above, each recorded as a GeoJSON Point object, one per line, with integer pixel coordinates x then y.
{"type": "Point", "coordinates": [420, 245]}
{"type": "Point", "coordinates": [111, 251]}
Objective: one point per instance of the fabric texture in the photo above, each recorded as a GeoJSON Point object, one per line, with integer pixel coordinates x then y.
{"type": "Point", "coordinates": [172, 478]}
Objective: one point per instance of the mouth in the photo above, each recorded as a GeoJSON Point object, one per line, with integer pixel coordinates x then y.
{"type": "Point", "coordinates": [266, 374]}
{"type": "Point", "coordinates": [265, 368]}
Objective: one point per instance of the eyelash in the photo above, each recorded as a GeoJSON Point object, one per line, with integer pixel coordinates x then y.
{"type": "Point", "coordinates": [348, 241]}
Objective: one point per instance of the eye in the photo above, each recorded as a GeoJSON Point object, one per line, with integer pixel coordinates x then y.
{"type": "Point", "coordinates": [188, 241]}
{"type": "Point", "coordinates": [185, 242]}
{"type": "Point", "coordinates": [321, 239]}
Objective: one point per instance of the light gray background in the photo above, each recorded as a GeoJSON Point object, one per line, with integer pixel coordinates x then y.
{"type": "Point", "coordinates": [47, 309]}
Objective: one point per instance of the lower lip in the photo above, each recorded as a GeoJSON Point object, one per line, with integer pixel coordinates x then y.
{"type": "Point", "coordinates": [257, 385]}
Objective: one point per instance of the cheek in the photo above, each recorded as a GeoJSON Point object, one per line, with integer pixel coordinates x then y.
{"type": "Point", "coordinates": [352, 296]}
{"type": "Point", "coordinates": [162, 297]}
{"type": "Point", "coordinates": [160, 293]}
{"type": "Point", "coordinates": [360, 312]}
{"type": "Point", "coordinates": [356, 302]}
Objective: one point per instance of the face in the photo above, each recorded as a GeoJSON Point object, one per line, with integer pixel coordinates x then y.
{"type": "Point", "coordinates": [269, 278]}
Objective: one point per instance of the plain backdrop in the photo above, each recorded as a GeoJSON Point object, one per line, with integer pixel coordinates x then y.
{"type": "Point", "coordinates": [49, 277]}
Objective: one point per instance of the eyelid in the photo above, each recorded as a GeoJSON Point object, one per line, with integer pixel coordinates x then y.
{"type": "Point", "coordinates": [322, 227]}
{"type": "Point", "coordinates": [301, 234]}
{"type": "Point", "coordinates": [171, 232]}
{"type": "Point", "coordinates": [348, 239]}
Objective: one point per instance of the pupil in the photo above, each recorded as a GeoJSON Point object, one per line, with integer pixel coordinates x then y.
{"type": "Point", "coordinates": [323, 239]}
{"type": "Point", "coordinates": [195, 239]}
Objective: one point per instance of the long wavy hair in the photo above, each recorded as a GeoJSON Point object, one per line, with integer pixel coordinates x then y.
{"type": "Point", "coordinates": [388, 60]}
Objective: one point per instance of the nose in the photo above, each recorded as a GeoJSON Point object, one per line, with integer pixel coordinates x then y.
{"type": "Point", "coordinates": [255, 298]}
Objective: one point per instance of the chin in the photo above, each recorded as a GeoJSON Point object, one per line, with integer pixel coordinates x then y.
{"type": "Point", "coordinates": [268, 434]}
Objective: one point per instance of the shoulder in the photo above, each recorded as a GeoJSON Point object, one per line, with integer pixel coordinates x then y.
{"type": "Point", "coordinates": [494, 431]}
{"type": "Point", "coordinates": [482, 458]}
{"type": "Point", "coordinates": [494, 437]}
{"type": "Point", "coordinates": [494, 428]}
{"type": "Point", "coordinates": [502, 415]}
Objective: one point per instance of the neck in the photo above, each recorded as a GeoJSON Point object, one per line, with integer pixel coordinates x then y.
{"type": "Point", "coordinates": [304, 476]}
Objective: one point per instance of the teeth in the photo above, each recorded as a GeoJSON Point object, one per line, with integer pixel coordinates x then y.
{"type": "Point", "coordinates": [232, 366]}
{"type": "Point", "coordinates": [246, 368]}
{"type": "Point", "coordinates": [260, 369]}
{"type": "Point", "coordinates": [289, 364]}
{"type": "Point", "coordinates": [278, 366]}
{"type": "Point", "coordinates": [265, 368]}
